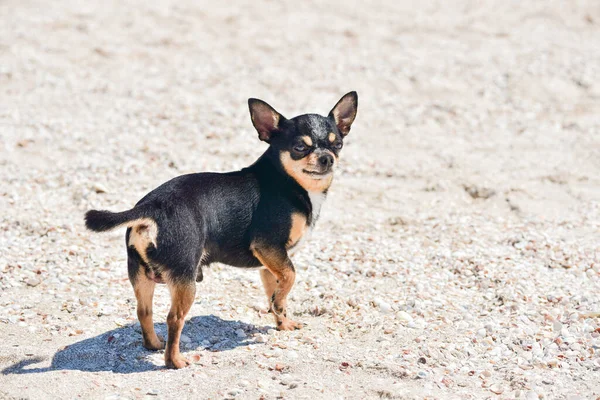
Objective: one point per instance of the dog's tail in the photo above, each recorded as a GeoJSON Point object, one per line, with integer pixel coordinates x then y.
{"type": "Point", "coordinates": [102, 220]}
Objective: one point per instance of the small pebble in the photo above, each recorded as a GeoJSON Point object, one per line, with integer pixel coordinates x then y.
{"type": "Point", "coordinates": [99, 188]}
{"type": "Point", "coordinates": [185, 338]}
{"type": "Point", "coordinates": [531, 395]}
{"type": "Point", "coordinates": [33, 282]}
{"type": "Point", "coordinates": [556, 326]}
{"type": "Point", "coordinates": [240, 333]}
{"type": "Point", "coordinates": [404, 316]}
{"type": "Point", "coordinates": [496, 388]}
{"type": "Point", "coordinates": [384, 306]}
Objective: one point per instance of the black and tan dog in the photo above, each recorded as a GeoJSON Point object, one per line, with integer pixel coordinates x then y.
{"type": "Point", "coordinates": [255, 217]}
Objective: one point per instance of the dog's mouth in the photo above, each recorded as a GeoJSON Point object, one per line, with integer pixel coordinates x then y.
{"type": "Point", "coordinates": [317, 174]}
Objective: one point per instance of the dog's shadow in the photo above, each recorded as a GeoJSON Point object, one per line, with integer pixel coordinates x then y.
{"type": "Point", "coordinates": [121, 350]}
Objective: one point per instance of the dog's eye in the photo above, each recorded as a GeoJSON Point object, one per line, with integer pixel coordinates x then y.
{"type": "Point", "coordinates": [300, 148]}
{"type": "Point", "coordinates": [338, 145]}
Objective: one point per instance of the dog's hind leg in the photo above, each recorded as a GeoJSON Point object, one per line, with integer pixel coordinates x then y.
{"type": "Point", "coordinates": [182, 298]}
{"type": "Point", "coordinates": [144, 293]}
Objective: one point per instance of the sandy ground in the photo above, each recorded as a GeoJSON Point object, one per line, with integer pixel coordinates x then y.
{"type": "Point", "coordinates": [457, 256]}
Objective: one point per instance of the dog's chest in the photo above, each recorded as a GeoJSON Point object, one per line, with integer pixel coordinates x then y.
{"type": "Point", "coordinates": [301, 228]}
{"type": "Point", "coordinates": [316, 200]}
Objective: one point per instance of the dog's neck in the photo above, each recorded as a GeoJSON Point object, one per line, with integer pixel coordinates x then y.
{"type": "Point", "coordinates": [269, 166]}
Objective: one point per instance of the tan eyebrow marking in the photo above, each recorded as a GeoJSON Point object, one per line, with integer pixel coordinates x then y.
{"type": "Point", "coordinates": [307, 140]}
{"type": "Point", "coordinates": [332, 137]}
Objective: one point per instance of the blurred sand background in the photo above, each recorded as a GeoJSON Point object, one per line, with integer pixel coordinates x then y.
{"type": "Point", "coordinates": [457, 256]}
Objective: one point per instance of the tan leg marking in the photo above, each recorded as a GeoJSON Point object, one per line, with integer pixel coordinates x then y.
{"type": "Point", "coordinates": [281, 269]}
{"type": "Point", "coordinates": [144, 292]}
{"type": "Point", "coordinates": [182, 298]}
{"type": "Point", "coordinates": [269, 283]}
{"type": "Point", "coordinates": [297, 230]}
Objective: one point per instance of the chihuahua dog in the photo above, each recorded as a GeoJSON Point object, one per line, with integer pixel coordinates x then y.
{"type": "Point", "coordinates": [256, 217]}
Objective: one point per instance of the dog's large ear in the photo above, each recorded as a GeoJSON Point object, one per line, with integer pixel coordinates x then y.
{"type": "Point", "coordinates": [344, 112]}
{"type": "Point", "coordinates": [265, 119]}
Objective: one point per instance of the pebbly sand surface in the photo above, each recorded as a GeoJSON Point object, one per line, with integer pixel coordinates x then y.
{"type": "Point", "coordinates": [457, 256]}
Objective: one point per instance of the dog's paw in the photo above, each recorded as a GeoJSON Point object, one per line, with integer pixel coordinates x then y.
{"type": "Point", "coordinates": [177, 362]}
{"type": "Point", "coordinates": [157, 343]}
{"type": "Point", "coordinates": [288, 325]}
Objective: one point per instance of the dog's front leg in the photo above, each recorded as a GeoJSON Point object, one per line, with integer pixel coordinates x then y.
{"type": "Point", "coordinates": [278, 278]}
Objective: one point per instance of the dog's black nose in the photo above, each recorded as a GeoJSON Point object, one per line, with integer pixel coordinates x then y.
{"type": "Point", "coordinates": [326, 160]}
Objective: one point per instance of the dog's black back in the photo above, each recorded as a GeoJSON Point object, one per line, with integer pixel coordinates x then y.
{"type": "Point", "coordinates": [214, 217]}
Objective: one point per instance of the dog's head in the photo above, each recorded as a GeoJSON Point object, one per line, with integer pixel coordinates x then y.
{"type": "Point", "coordinates": [308, 145]}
